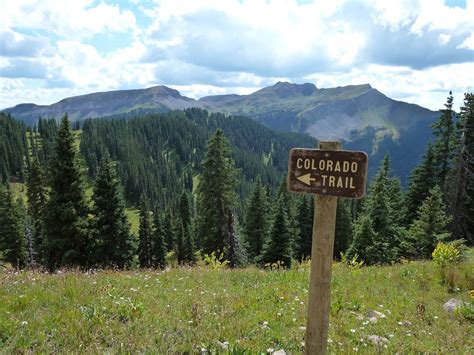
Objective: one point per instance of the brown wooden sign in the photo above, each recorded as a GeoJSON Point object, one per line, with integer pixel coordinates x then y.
{"type": "Point", "coordinates": [340, 173]}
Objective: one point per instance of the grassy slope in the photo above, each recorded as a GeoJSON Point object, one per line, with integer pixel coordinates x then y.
{"type": "Point", "coordinates": [188, 309]}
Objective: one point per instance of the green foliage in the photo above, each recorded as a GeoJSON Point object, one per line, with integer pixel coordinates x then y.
{"type": "Point", "coordinates": [147, 311]}
{"type": "Point", "coordinates": [375, 234]}
{"type": "Point", "coordinates": [461, 193]}
{"type": "Point", "coordinates": [12, 233]}
{"type": "Point", "coordinates": [37, 201]}
{"type": "Point", "coordinates": [278, 248]}
{"type": "Point", "coordinates": [445, 257]}
{"type": "Point", "coordinates": [216, 261]}
{"type": "Point", "coordinates": [113, 245]}
{"type": "Point", "coordinates": [256, 221]}
{"type": "Point", "coordinates": [444, 145]}
{"type": "Point", "coordinates": [421, 181]}
{"type": "Point", "coordinates": [343, 234]}
{"type": "Point", "coordinates": [159, 154]}
{"type": "Point", "coordinates": [159, 242]}
{"type": "Point", "coordinates": [430, 227]}
{"type": "Point", "coordinates": [216, 196]}
{"type": "Point", "coordinates": [67, 241]}
{"type": "Point", "coordinates": [13, 148]}
{"type": "Point", "coordinates": [304, 219]}
{"type": "Point", "coordinates": [145, 235]}
{"type": "Point", "coordinates": [352, 262]}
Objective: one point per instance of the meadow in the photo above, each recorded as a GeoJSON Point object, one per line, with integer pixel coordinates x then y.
{"type": "Point", "coordinates": [217, 310]}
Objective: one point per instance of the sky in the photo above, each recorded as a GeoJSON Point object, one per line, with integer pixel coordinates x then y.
{"type": "Point", "coordinates": [411, 50]}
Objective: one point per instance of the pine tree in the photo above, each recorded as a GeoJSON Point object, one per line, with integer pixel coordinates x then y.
{"type": "Point", "coordinates": [278, 248]}
{"type": "Point", "coordinates": [216, 195]}
{"type": "Point", "coordinates": [430, 225]}
{"type": "Point", "coordinates": [111, 228]}
{"type": "Point", "coordinates": [145, 232]}
{"type": "Point", "coordinates": [363, 243]}
{"type": "Point", "coordinates": [12, 233]}
{"type": "Point", "coordinates": [343, 233]}
{"type": "Point", "coordinates": [379, 212]}
{"type": "Point", "coordinates": [188, 245]}
{"type": "Point", "coordinates": [256, 221]}
{"type": "Point", "coordinates": [378, 209]}
{"type": "Point", "coordinates": [444, 146]}
{"type": "Point", "coordinates": [422, 180]}
{"type": "Point", "coordinates": [184, 212]}
{"type": "Point", "coordinates": [37, 199]}
{"type": "Point", "coordinates": [159, 243]}
{"type": "Point", "coordinates": [305, 228]}
{"type": "Point", "coordinates": [66, 222]}
{"type": "Point", "coordinates": [461, 197]}
{"type": "Point", "coordinates": [168, 229]}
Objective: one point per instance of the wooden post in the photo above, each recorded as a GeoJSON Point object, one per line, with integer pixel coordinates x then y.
{"type": "Point", "coordinates": [324, 226]}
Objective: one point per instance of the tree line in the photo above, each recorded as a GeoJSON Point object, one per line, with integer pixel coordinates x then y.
{"type": "Point", "coordinates": [62, 228]}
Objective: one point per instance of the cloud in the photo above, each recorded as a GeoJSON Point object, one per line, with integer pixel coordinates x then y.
{"type": "Point", "coordinates": [408, 49]}
{"type": "Point", "coordinates": [23, 68]}
{"type": "Point", "coordinates": [72, 19]}
{"type": "Point", "coordinates": [14, 44]}
{"type": "Point", "coordinates": [468, 43]}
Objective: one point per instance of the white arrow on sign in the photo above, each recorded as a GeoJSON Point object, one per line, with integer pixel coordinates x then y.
{"type": "Point", "coordinates": [306, 179]}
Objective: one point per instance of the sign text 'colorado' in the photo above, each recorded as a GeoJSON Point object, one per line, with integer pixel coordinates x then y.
{"type": "Point", "coordinates": [327, 172]}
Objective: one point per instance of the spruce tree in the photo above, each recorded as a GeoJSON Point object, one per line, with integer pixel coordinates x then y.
{"type": "Point", "coordinates": [422, 180]}
{"type": "Point", "coordinates": [188, 245]}
{"type": "Point", "coordinates": [430, 225]}
{"type": "Point", "coordinates": [216, 195]}
{"type": "Point", "coordinates": [305, 228]}
{"type": "Point", "coordinates": [145, 236]}
{"type": "Point", "coordinates": [444, 146]}
{"type": "Point", "coordinates": [461, 196]}
{"type": "Point", "coordinates": [180, 234]}
{"type": "Point", "coordinates": [168, 229]}
{"type": "Point", "coordinates": [256, 221]}
{"type": "Point", "coordinates": [37, 199]}
{"type": "Point", "coordinates": [12, 233]}
{"type": "Point", "coordinates": [379, 212]}
{"type": "Point", "coordinates": [278, 248]}
{"type": "Point", "coordinates": [113, 245]}
{"type": "Point", "coordinates": [343, 235]}
{"type": "Point", "coordinates": [364, 242]}
{"type": "Point", "coordinates": [158, 242]}
{"type": "Point", "coordinates": [66, 221]}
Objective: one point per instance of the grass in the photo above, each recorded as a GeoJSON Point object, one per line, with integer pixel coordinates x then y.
{"type": "Point", "coordinates": [187, 309]}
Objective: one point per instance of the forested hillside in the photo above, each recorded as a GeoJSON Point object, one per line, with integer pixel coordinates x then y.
{"type": "Point", "coordinates": [161, 154]}
{"type": "Point", "coordinates": [213, 186]}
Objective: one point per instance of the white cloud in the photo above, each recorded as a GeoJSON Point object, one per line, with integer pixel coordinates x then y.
{"type": "Point", "coordinates": [72, 19]}
{"type": "Point", "coordinates": [468, 43]}
{"type": "Point", "coordinates": [444, 38]}
{"type": "Point", "coordinates": [413, 50]}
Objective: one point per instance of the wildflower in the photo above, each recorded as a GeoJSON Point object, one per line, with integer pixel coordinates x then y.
{"type": "Point", "coordinates": [270, 350]}
{"type": "Point", "coordinates": [353, 330]}
{"type": "Point", "coordinates": [24, 323]}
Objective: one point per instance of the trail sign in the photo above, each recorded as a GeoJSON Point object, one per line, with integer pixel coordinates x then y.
{"type": "Point", "coordinates": [327, 172]}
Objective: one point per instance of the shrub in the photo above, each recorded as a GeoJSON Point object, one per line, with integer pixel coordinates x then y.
{"type": "Point", "coordinates": [446, 256]}
{"type": "Point", "coordinates": [215, 262]}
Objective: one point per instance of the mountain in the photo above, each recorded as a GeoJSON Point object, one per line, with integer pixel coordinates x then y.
{"type": "Point", "coordinates": [359, 115]}
{"type": "Point", "coordinates": [99, 104]}
{"type": "Point", "coordinates": [331, 114]}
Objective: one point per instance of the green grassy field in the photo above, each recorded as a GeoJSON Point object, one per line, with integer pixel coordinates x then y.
{"type": "Point", "coordinates": [248, 310]}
